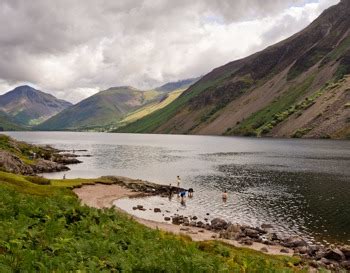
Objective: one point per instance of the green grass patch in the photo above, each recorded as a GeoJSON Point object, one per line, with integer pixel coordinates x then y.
{"type": "Point", "coordinates": [46, 229]}
{"type": "Point", "coordinates": [152, 121]}
{"type": "Point", "coordinates": [301, 132]}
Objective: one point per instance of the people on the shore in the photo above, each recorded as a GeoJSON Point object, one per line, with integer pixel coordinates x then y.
{"type": "Point", "coordinates": [190, 193]}
{"type": "Point", "coordinates": [178, 181]}
{"type": "Point", "coordinates": [224, 196]}
{"type": "Point", "coordinates": [170, 191]}
{"type": "Point", "coordinates": [182, 195]}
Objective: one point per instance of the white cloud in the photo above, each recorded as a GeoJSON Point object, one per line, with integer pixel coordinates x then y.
{"type": "Point", "coordinates": [74, 48]}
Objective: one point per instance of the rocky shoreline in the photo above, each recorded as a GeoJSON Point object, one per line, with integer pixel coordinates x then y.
{"type": "Point", "coordinates": [331, 257]}
{"type": "Point", "coordinates": [22, 158]}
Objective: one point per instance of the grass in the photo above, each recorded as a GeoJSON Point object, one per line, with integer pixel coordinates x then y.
{"type": "Point", "coordinates": [152, 121]}
{"type": "Point", "coordinates": [44, 228]}
{"type": "Point", "coordinates": [150, 108]}
{"type": "Point", "coordinates": [263, 120]}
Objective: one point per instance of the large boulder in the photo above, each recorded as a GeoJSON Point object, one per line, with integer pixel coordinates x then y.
{"type": "Point", "coordinates": [294, 241]}
{"type": "Point", "coordinates": [219, 224]}
{"type": "Point", "coordinates": [335, 255]}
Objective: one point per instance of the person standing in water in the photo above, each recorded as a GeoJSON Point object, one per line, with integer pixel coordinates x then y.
{"type": "Point", "coordinates": [190, 193]}
{"type": "Point", "coordinates": [224, 196]}
{"type": "Point", "coordinates": [178, 181]}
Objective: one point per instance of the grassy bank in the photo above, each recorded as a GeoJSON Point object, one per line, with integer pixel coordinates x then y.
{"type": "Point", "coordinates": [45, 229]}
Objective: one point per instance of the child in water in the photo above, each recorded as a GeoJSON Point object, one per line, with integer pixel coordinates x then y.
{"type": "Point", "coordinates": [224, 196]}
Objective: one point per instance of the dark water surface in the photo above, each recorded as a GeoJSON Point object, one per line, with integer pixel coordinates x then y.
{"type": "Point", "coordinates": [299, 186]}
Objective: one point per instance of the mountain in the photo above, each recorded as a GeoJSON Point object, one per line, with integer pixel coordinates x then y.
{"type": "Point", "coordinates": [115, 107]}
{"type": "Point", "coordinates": [101, 110]}
{"type": "Point", "coordinates": [29, 106]}
{"type": "Point", "coordinates": [179, 85]}
{"type": "Point", "coordinates": [7, 123]}
{"type": "Point", "coordinates": [298, 87]}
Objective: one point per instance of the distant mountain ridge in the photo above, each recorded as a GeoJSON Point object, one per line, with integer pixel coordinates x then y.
{"type": "Point", "coordinates": [30, 106]}
{"type": "Point", "coordinates": [108, 108]}
{"type": "Point", "coordinates": [298, 87]}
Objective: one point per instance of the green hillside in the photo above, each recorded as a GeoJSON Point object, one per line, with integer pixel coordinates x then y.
{"type": "Point", "coordinates": [99, 111]}
{"type": "Point", "coordinates": [298, 87]}
{"type": "Point", "coordinates": [9, 124]}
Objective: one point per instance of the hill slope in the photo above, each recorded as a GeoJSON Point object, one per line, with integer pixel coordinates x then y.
{"type": "Point", "coordinates": [8, 124]}
{"type": "Point", "coordinates": [29, 106]}
{"type": "Point", "coordinates": [297, 87]}
{"type": "Point", "coordinates": [100, 110]}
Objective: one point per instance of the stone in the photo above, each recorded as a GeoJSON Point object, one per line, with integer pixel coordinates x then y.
{"type": "Point", "coordinates": [177, 220]}
{"type": "Point", "coordinates": [335, 254]}
{"type": "Point", "coordinates": [201, 231]}
{"type": "Point", "coordinates": [264, 249]}
{"type": "Point", "coordinates": [134, 208]}
{"type": "Point", "coordinates": [218, 224]}
{"type": "Point", "coordinates": [301, 249]}
{"type": "Point", "coordinates": [184, 229]}
{"type": "Point", "coordinates": [294, 241]}
{"type": "Point", "coordinates": [252, 233]}
{"type": "Point", "coordinates": [193, 223]}
{"type": "Point", "coordinates": [139, 207]}
{"type": "Point", "coordinates": [200, 224]}
{"type": "Point", "coordinates": [266, 226]}
{"type": "Point", "coordinates": [194, 218]}
{"type": "Point", "coordinates": [156, 210]}
{"type": "Point", "coordinates": [284, 250]}
{"type": "Point", "coordinates": [346, 251]}
{"type": "Point", "coordinates": [234, 228]}
{"type": "Point", "coordinates": [167, 218]}
{"type": "Point", "coordinates": [314, 264]}
{"type": "Point", "coordinates": [208, 213]}
{"type": "Point", "coordinates": [246, 241]}
{"type": "Point", "coordinates": [345, 264]}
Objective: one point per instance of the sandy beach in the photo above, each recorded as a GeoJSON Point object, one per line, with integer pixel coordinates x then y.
{"type": "Point", "coordinates": [102, 196]}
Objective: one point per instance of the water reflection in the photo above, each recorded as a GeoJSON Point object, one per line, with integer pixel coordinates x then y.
{"type": "Point", "coordinates": [300, 186]}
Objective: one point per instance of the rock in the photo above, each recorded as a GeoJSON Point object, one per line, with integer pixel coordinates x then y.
{"type": "Point", "coordinates": [266, 226]}
{"type": "Point", "coordinates": [294, 241]}
{"type": "Point", "coordinates": [252, 233]}
{"type": "Point", "coordinates": [325, 261]}
{"type": "Point", "coordinates": [335, 254]}
{"type": "Point", "coordinates": [314, 264]}
{"type": "Point", "coordinates": [234, 228]}
{"type": "Point", "coordinates": [167, 218]}
{"type": "Point", "coordinates": [264, 249]}
{"type": "Point", "coordinates": [177, 220]}
{"type": "Point", "coordinates": [301, 249]}
{"type": "Point", "coordinates": [206, 219]}
{"type": "Point", "coordinates": [218, 224]}
{"type": "Point", "coordinates": [184, 229]}
{"type": "Point", "coordinates": [139, 207]}
{"type": "Point", "coordinates": [346, 251]}
{"type": "Point", "coordinates": [208, 213]}
{"type": "Point", "coordinates": [134, 208]}
{"type": "Point", "coordinates": [194, 218]}
{"type": "Point", "coordinates": [284, 250]}
{"type": "Point", "coordinates": [193, 223]}
{"type": "Point", "coordinates": [201, 231]}
{"type": "Point", "coordinates": [200, 224]}
{"type": "Point", "coordinates": [156, 210]}
{"type": "Point", "coordinates": [273, 237]}
{"type": "Point", "coordinates": [345, 264]}
{"type": "Point", "coordinates": [214, 236]}
{"type": "Point", "coordinates": [246, 241]}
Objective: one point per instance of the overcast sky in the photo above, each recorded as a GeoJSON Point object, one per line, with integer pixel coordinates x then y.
{"type": "Point", "coordinates": [74, 48]}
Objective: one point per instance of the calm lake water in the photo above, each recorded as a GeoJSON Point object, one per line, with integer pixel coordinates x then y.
{"type": "Point", "coordinates": [299, 186]}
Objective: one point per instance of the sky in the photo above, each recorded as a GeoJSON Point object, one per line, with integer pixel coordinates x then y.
{"type": "Point", "coordinates": [75, 48]}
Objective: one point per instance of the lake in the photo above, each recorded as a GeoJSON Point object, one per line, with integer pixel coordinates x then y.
{"type": "Point", "coordinates": [301, 187]}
